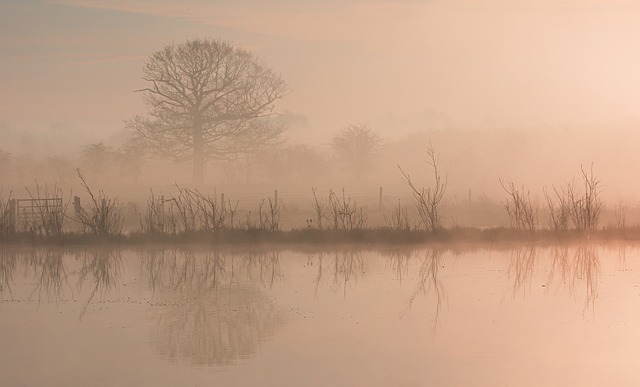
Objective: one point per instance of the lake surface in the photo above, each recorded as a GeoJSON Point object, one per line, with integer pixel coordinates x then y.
{"type": "Point", "coordinates": [505, 316]}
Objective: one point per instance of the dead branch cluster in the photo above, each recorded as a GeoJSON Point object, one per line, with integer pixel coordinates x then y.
{"type": "Point", "coordinates": [567, 207]}
{"type": "Point", "coordinates": [570, 207]}
{"type": "Point", "coordinates": [268, 216]}
{"type": "Point", "coordinates": [399, 219]}
{"type": "Point", "coordinates": [522, 215]}
{"type": "Point", "coordinates": [103, 216]}
{"type": "Point", "coordinates": [339, 212]}
{"type": "Point", "coordinates": [187, 212]}
{"type": "Point", "coordinates": [429, 200]}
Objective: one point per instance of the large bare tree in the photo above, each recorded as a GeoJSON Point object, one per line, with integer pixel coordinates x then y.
{"type": "Point", "coordinates": [207, 100]}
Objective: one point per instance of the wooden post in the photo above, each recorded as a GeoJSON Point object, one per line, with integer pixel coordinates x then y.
{"type": "Point", "coordinates": [275, 194]}
{"type": "Point", "coordinates": [380, 199]}
{"type": "Point", "coordinates": [222, 199]}
{"type": "Point", "coordinates": [12, 214]}
{"type": "Point", "coordinates": [76, 204]}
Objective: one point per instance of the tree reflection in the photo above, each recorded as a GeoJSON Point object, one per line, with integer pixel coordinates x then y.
{"type": "Point", "coordinates": [399, 262]}
{"type": "Point", "coordinates": [573, 268]}
{"type": "Point", "coordinates": [48, 270]}
{"type": "Point", "coordinates": [265, 266]}
{"type": "Point", "coordinates": [103, 268]}
{"type": "Point", "coordinates": [429, 282]}
{"type": "Point", "coordinates": [345, 267]}
{"type": "Point", "coordinates": [214, 310]}
{"type": "Point", "coordinates": [586, 269]}
{"type": "Point", "coordinates": [522, 266]}
{"type": "Point", "coordinates": [8, 266]}
{"type": "Point", "coordinates": [428, 279]}
{"type": "Point", "coordinates": [45, 266]}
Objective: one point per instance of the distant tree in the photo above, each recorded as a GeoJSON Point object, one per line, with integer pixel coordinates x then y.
{"type": "Point", "coordinates": [207, 100]}
{"type": "Point", "coordinates": [97, 158]}
{"type": "Point", "coordinates": [357, 146]}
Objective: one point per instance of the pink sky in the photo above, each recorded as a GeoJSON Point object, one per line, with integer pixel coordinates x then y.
{"type": "Point", "coordinates": [481, 63]}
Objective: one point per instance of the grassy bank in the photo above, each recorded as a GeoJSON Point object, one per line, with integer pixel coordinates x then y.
{"type": "Point", "coordinates": [365, 236]}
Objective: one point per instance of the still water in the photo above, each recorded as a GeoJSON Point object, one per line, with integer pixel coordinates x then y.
{"type": "Point", "coordinates": [504, 316]}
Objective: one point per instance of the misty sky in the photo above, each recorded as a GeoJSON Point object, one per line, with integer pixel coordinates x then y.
{"type": "Point", "coordinates": [482, 63]}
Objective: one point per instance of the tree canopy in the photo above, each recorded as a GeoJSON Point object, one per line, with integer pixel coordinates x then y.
{"type": "Point", "coordinates": [357, 146]}
{"type": "Point", "coordinates": [207, 100]}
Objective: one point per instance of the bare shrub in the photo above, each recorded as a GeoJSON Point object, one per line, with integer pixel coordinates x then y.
{"type": "Point", "coordinates": [344, 213]}
{"type": "Point", "coordinates": [186, 209]}
{"type": "Point", "coordinates": [620, 214]}
{"type": "Point", "coordinates": [233, 211]}
{"type": "Point", "coordinates": [7, 213]}
{"type": "Point", "coordinates": [429, 199]}
{"type": "Point", "coordinates": [104, 214]}
{"type": "Point", "coordinates": [249, 224]}
{"type": "Point", "coordinates": [188, 212]}
{"type": "Point", "coordinates": [558, 212]}
{"type": "Point", "coordinates": [585, 207]}
{"type": "Point", "coordinates": [399, 218]}
{"type": "Point", "coordinates": [580, 209]}
{"type": "Point", "coordinates": [269, 216]}
{"type": "Point", "coordinates": [319, 208]}
{"type": "Point", "coordinates": [213, 212]}
{"type": "Point", "coordinates": [158, 218]}
{"type": "Point", "coordinates": [522, 215]}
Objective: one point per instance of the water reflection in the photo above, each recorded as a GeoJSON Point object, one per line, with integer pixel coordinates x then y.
{"type": "Point", "coordinates": [45, 267]}
{"type": "Point", "coordinates": [49, 273]}
{"type": "Point", "coordinates": [575, 268]}
{"type": "Point", "coordinates": [428, 281]}
{"type": "Point", "coordinates": [102, 269]}
{"type": "Point", "coordinates": [587, 270]}
{"type": "Point", "coordinates": [8, 266]}
{"type": "Point", "coordinates": [214, 310]}
{"type": "Point", "coordinates": [622, 256]}
{"type": "Point", "coordinates": [399, 263]}
{"type": "Point", "coordinates": [216, 306]}
{"type": "Point", "coordinates": [524, 261]}
{"type": "Point", "coordinates": [344, 266]}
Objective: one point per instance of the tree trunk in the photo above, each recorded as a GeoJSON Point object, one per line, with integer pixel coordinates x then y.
{"type": "Point", "coordinates": [198, 168]}
{"type": "Point", "coordinates": [198, 154]}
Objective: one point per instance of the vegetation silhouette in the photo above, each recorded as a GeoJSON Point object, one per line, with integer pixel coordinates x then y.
{"type": "Point", "coordinates": [207, 100]}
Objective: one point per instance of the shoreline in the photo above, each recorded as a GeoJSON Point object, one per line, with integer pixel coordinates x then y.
{"type": "Point", "coordinates": [315, 237]}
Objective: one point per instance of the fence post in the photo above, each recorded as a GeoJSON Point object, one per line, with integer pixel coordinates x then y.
{"type": "Point", "coordinates": [76, 205]}
{"type": "Point", "coordinates": [380, 199]}
{"type": "Point", "coordinates": [12, 214]}
{"type": "Point", "coordinates": [275, 195]}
